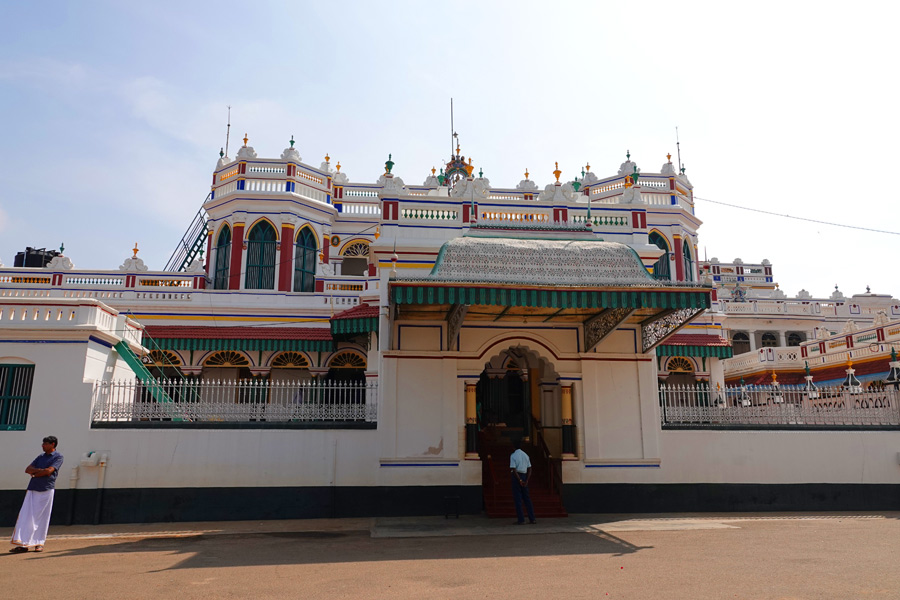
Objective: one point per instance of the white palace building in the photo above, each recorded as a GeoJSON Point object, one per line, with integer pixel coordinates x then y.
{"type": "Point", "coordinates": [320, 347]}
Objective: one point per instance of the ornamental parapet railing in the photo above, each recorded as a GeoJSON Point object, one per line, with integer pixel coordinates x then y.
{"type": "Point", "coordinates": [194, 402]}
{"type": "Point", "coordinates": [782, 407]}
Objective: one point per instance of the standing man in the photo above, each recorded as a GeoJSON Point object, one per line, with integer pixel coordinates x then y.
{"type": "Point", "coordinates": [520, 468]}
{"type": "Point", "coordinates": [34, 518]}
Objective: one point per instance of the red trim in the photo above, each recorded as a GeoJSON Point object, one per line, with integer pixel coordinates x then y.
{"type": "Point", "coordinates": [679, 260]}
{"type": "Point", "coordinates": [209, 237]}
{"type": "Point", "coordinates": [232, 333]}
{"type": "Point", "coordinates": [696, 339]}
{"type": "Point", "coordinates": [237, 250]}
{"type": "Point", "coordinates": [362, 311]}
{"type": "Point", "coordinates": [286, 266]}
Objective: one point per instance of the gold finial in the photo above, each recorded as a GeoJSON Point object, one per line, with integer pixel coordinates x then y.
{"type": "Point", "coordinates": [469, 168]}
{"type": "Point", "coordinates": [850, 364]}
{"type": "Point", "coordinates": [433, 170]}
{"type": "Point", "coordinates": [339, 166]}
{"type": "Point", "coordinates": [135, 250]}
{"type": "Point", "coordinates": [774, 377]}
{"type": "Point", "coordinates": [669, 156]}
{"type": "Point", "coordinates": [457, 148]}
{"type": "Point", "coordinates": [526, 172]}
{"type": "Point", "coordinates": [327, 158]}
{"type": "Point", "coordinates": [246, 139]}
{"type": "Point", "coordinates": [557, 172]}
{"type": "Point", "coordinates": [587, 167]}
{"type": "Point", "coordinates": [377, 231]}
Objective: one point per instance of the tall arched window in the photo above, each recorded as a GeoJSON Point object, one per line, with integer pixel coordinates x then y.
{"type": "Point", "coordinates": [794, 339]}
{"type": "Point", "coordinates": [223, 258]}
{"type": "Point", "coordinates": [305, 262]}
{"type": "Point", "coordinates": [261, 245]}
{"type": "Point", "coordinates": [769, 340]}
{"type": "Point", "coordinates": [661, 267]}
{"type": "Point", "coordinates": [688, 262]}
{"type": "Point", "coordinates": [740, 343]}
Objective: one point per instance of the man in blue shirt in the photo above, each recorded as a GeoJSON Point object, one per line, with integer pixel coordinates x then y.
{"type": "Point", "coordinates": [520, 468]}
{"type": "Point", "coordinates": [34, 517]}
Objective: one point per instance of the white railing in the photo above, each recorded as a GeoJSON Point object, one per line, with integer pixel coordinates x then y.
{"type": "Point", "coordinates": [190, 400]}
{"type": "Point", "coordinates": [428, 214]}
{"type": "Point", "coordinates": [789, 406]}
{"type": "Point", "coordinates": [358, 208]}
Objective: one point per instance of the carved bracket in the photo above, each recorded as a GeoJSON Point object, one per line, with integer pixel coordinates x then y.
{"type": "Point", "coordinates": [658, 327]}
{"type": "Point", "coordinates": [455, 317]}
{"type": "Point", "coordinates": [598, 327]}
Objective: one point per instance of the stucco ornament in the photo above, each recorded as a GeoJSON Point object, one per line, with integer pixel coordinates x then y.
{"type": "Point", "coordinates": [60, 263]}
{"type": "Point", "coordinates": [133, 264]}
{"type": "Point", "coordinates": [325, 269]}
{"type": "Point", "coordinates": [803, 295]}
{"type": "Point", "coordinates": [527, 185]}
{"type": "Point", "coordinates": [588, 179]}
{"type": "Point", "coordinates": [628, 167]}
{"type": "Point", "coordinates": [340, 178]}
{"type": "Point", "coordinates": [290, 153]}
{"type": "Point", "coordinates": [553, 192]}
{"type": "Point", "coordinates": [246, 152]}
{"type": "Point", "coordinates": [837, 295]}
{"type": "Point", "coordinates": [881, 318]}
{"type": "Point", "coordinates": [223, 160]}
{"type": "Point", "coordinates": [196, 266]}
{"type": "Point", "coordinates": [850, 327]}
{"type": "Point", "coordinates": [391, 185]}
{"type": "Point", "coordinates": [668, 169]}
{"type": "Point", "coordinates": [475, 188]}
{"type": "Point", "coordinates": [632, 195]}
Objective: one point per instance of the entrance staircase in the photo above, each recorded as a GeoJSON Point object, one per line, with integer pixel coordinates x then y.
{"type": "Point", "coordinates": [545, 487]}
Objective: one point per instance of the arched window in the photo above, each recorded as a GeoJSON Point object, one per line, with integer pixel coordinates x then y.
{"type": "Point", "coordinates": [261, 257]}
{"type": "Point", "coordinates": [740, 343]}
{"type": "Point", "coordinates": [794, 339]}
{"type": "Point", "coordinates": [223, 258]}
{"type": "Point", "coordinates": [769, 340]}
{"type": "Point", "coordinates": [661, 267]}
{"type": "Point", "coordinates": [356, 259]}
{"type": "Point", "coordinates": [305, 262]}
{"type": "Point", "coordinates": [688, 262]}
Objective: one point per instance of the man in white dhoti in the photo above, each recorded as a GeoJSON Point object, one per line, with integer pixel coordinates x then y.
{"type": "Point", "coordinates": [34, 518]}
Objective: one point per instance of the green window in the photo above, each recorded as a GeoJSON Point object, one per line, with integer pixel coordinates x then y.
{"type": "Point", "coordinates": [688, 262]}
{"type": "Point", "coordinates": [261, 244]}
{"type": "Point", "coordinates": [15, 395]}
{"type": "Point", "coordinates": [661, 267]}
{"type": "Point", "coordinates": [305, 262]}
{"type": "Point", "coordinates": [223, 259]}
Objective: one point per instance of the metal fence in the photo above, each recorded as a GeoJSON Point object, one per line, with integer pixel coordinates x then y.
{"type": "Point", "coordinates": [774, 405]}
{"type": "Point", "coordinates": [194, 400]}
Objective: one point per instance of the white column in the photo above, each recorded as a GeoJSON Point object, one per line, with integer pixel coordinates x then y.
{"type": "Point", "coordinates": [781, 339]}
{"type": "Point", "coordinates": [752, 335]}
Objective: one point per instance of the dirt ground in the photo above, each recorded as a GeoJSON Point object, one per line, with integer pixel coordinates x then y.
{"type": "Point", "coordinates": [847, 556]}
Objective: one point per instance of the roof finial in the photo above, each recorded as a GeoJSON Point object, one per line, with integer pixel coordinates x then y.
{"type": "Point", "coordinates": [868, 290]}
{"type": "Point", "coordinates": [246, 139]}
{"type": "Point", "coordinates": [628, 154]}
{"type": "Point", "coordinates": [62, 247]}
{"type": "Point", "coordinates": [557, 172]}
{"type": "Point", "coordinates": [588, 166]}
{"type": "Point", "coordinates": [526, 172]}
{"type": "Point", "coordinates": [457, 147]}
{"type": "Point", "coordinates": [669, 157]}
{"type": "Point", "coordinates": [339, 166]}
{"type": "Point", "coordinates": [582, 172]}
{"type": "Point", "coordinates": [469, 168]}
{"type": "Point", "coordinates": [135, 250]}
{"type": "Point", "coordinates": [433, 171]}
{"type": "Point", "coordinates": [388, 165]}
{"type": "Point", "coordinates": [442, 178]}
{"type": "Point", "coordinates": [221, 152]}
{"type": "Point", "coordinates": [480, 173]}
{"type": "Point", "coordinates": [292, 141]}
{"type": "Point", "coordinates": [327, 158]}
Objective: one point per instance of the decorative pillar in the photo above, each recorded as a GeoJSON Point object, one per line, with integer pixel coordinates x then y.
{"type": "Point", "coordinates": [781, 339]}
{"type": "Point", "coordinates": [286, 257]}
{"type": "Point", "coordinates": [568, 424]}
{"type": "Point", "coordinates": [237, 252]}
{"type": "Point", "coordinates": [209, 246]}
{"type": "Point", "coordinates": [471, 423]}
{"type": "Point", "coordinates": [679, 258]}
{"type": "Point", "coordinates": [752, 336]}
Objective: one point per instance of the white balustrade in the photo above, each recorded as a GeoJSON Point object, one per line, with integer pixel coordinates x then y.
{"type": "Point", "coordinates": [359, 208]}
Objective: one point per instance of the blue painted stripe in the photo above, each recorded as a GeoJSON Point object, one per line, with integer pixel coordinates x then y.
{"type": "Point", "coordinates": [421, 465]}
{"type": "Point", "coordinates": [101, 342]}
{"type": "Point", "coordinates": [43, 341]}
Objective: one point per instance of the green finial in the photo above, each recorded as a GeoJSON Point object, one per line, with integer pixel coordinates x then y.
{"type": "Point", "coordinates": [628, 154]}
{"type": "Point", "coordinates": [221, 152]}
{"type": "Point", "coordinates": [893, 355]}
{"type": "Point", "coordinates": [806, 367]}
{"type": "Point", "coordinates": [201, 253]}
{"type": "Point", "coordinates": [62, 248]}
{"type": "Point", "coordinates": [576, 184]}
{"type": "Point", "coordinates": [480, 173]}
{"type": "Point", "coordinates": [582, 172]}
{"type": "Point", "coordinates": [292, 141]}
{"type": "Point", "coordinates": [742, 381]}
{"type": "Point", "coordinates": [442, 178]}
{"type": "Point", "coordinates": [388, 165]}
{"type": "Point", "coordinates": [635, 175]}
{"type": "Point", "coordinates": [683, 169]}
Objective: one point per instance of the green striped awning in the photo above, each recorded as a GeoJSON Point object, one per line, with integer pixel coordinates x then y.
{"type": "Point", "coordinates": [699, 351]}
{"type": "Point", "coordinates": [548, 297]}
{"type": "Point", "coordinates": [353, 326]}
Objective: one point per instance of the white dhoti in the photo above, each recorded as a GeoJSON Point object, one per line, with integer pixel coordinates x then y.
{"type": "Point", "coordinates": [34, 519]}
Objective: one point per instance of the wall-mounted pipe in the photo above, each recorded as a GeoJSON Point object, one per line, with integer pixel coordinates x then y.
{"type": "Point", "coordinates": [104, 458]}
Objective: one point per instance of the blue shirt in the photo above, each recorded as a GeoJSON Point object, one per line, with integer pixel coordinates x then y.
{"type": "Point", "coordinates": [519, 461]}
{"type": "Point", "coordinates": [42, 484]}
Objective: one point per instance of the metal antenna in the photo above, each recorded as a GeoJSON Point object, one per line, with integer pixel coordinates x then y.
{"type": "Point", "coordinates": [452, 131]}
{"type": "Point", "coordinates": [678, 145]}
{"type": "Point", "coordinates": [228, 131]}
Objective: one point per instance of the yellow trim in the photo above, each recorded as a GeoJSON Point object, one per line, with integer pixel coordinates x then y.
{"type": "Point", "coordinates": [290, 225]}
{"type": "Point", "coordinates": [311, 230]}
{"type": "Point", "coordinates": [662, 235]}
{"type": "Point", "coordinates": [218, 233]}
{"type": "Point", "coordinates": [353, 241]}
{"type": "Point", "coordinates": [254, 224]}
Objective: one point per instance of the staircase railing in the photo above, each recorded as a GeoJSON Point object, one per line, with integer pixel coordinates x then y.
{"type": "Point", "coordinates": [191, 243]}
{"type": "Point", "coordinates": [554, 472]}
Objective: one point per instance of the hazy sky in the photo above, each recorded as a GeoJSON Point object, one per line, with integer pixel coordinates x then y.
{"type": "Point", "coordinates": [114, 112]}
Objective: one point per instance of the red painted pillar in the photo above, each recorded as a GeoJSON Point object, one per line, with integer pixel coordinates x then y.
{"type": "Point", "coordinates": [286, 258]}
{"type": "Point", "coordinates": [679, 259]}
{"type": "Point", "coordinates": [237, 251]}
{"type": "Point", "coordinates": [209, 237]}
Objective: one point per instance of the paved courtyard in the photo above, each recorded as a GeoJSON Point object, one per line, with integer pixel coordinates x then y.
{"type": "Point", "coordinates": [743, 556]}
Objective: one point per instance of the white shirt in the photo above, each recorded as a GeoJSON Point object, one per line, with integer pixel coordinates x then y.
{"type": "Point", "coordinates": [519, 461]}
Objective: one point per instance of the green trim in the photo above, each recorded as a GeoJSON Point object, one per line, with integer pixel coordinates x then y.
{"type": "Point", "coordinates": [702, 351]}
{"type": "Point", "coordinates": [351, 326]}
{"type": "Point", "coordinates": [152, 385]}
{"type": "Point", "coordinates": [244, 344]}
{"type": "Point", "coordinates": [548, 298]}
